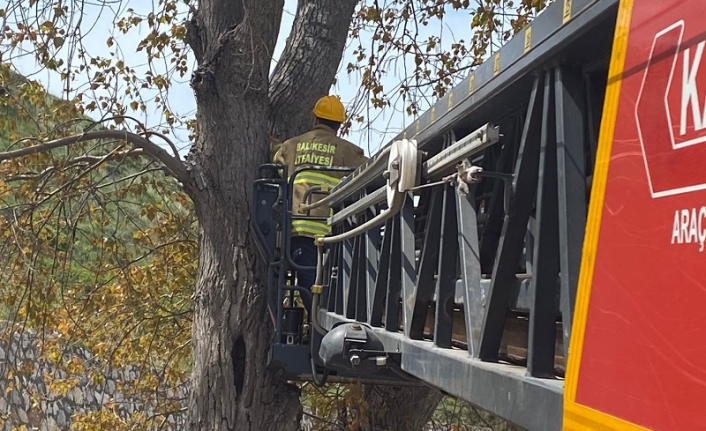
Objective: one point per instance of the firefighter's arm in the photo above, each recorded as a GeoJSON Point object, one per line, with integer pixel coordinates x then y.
{"type": "Point", "coordinates": [278, 158]}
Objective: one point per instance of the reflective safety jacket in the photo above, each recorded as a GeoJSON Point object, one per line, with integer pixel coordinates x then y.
{"type": "Point", "coordinates": [319, 147]}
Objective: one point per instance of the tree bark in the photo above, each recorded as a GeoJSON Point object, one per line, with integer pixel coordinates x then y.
{"type": "Point", "coordinates": [232, 388]}
{"type": "Point", "coordinates": [238, 107]}
{"type": "Point", "coordinates": [308, 64]}
{"type": "Point", "coordinates": [398, 407]}
{"type": "Point", "coordinates": [387, 408]}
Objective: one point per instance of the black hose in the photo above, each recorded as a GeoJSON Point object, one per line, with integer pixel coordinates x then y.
{"type": "Point", "coordinates": [314, 377]}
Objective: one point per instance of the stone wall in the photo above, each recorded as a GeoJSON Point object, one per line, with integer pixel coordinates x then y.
{"type": "Point", "coordinates": [26, 397]}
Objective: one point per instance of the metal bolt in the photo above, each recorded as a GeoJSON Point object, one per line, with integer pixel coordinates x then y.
{"type": "Point", "coordinates": [355, 360]}
{"type": "Point", "coordinates": [356, 327]}
{"type": "Point", "coordinates": [395, 164]}
{"type": "Point", "coordinates": [386, 175]}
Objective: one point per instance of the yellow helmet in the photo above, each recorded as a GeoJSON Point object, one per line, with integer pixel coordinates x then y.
{"type": "Point", "coordinates": [330, 108]}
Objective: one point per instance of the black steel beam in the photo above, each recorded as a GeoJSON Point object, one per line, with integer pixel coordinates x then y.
{"type": "Point", "coordinates": [376, 297]}
{"type": "Point", "coordinates": [502, 389]}
{"type": "Point", "coordinates": [407, 261]}
{"type": "Point", "coordinates": [470, 269]}
{"type": "Point", "coordinates": [357, 299]}
{"type": "Point", "coordinates": [394, 279]}
{"type": "Point", "coordinates": [571, 166]}
{"type": "Point", "coordinates": [446, 280]}
{"type": "Point", "coordinates": [514, 229]}
{"type": "Point", "coordinates": [346, 273]}
{"type": "Point", "coordinates": [338, 298]}
{"type": "Point", "coordinates": [428, 263]}
{"type": "Point", "coordinates": [591, 129]}
{"type": "Point", "coordinates": [492, 228]}
{"type": "Point", "coordinates": [327, 278]}
{"type": "Point", "coordinates": [351, 288]}
{"type": "Point", "coordinates": [331, 276]}
{"type": "Point", "coordinates": [545, 267]}
{"type": "Point", "coordinates": [372, 241]}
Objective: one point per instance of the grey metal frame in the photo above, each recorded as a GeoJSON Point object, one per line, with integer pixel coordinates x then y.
{"type": "Point", "coordinates": [495, 254]}
{"type": "Point", "coordinates": [435, 254]}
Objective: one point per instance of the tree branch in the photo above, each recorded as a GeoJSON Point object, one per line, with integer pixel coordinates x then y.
{"type": "Point", "coordinates": [74, 163]}
{"type": "Point", "coordinates": [128, 177]}
{"type": "Point", "coordinates": [174, 166]}
{"type": "Point", "coordinates": [212, 19]}
{"type": "Point", "coordinates": [299, 78]}
{"type": "Point", "coordinates": [165, 139]}
{"type": "Point", "coordinates": [76, 178]}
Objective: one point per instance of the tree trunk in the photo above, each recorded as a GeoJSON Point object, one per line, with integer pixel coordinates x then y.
{"type": "Point", "coordinates": [232, 388]}
{"type": "Point", "coordinates": [237, 108]}
{"type": "Point", "coordinates": [399, 407]}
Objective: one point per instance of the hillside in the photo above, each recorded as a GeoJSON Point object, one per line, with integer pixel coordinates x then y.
{"type": "Point", "coordinates": [98, 255]}
{"type": "Point", "coordinates": [127, 188]}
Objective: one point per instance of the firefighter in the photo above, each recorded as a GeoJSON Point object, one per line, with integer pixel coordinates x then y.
{"type": "Point", "coordinates": [319, 147]}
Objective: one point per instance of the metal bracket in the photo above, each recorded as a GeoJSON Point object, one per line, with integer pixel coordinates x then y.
{"type": "Point", "coordinates": [467, 174]}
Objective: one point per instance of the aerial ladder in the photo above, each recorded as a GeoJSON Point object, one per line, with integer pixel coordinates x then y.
{"type": "Point", "coordinates": [532, 244]}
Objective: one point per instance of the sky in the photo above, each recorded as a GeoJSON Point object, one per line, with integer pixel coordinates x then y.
{"type": "Point", "coordinates": [370, 136]}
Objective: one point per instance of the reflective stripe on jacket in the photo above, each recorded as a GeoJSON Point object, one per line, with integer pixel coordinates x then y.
{"type": "Point", "coordinates": [319, 147]}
